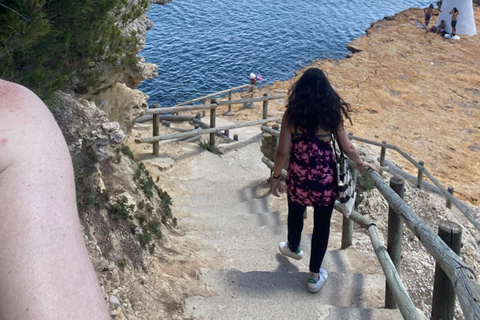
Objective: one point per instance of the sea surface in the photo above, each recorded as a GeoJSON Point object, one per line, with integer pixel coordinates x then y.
{"type": "Point", "coordinates": [205, 46]}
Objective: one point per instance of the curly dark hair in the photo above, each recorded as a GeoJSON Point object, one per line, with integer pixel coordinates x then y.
{"type": "Point", "coordinates": [314, 104]}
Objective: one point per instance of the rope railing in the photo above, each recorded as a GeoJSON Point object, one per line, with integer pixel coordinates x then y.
{"type": "Point", "coordinates": [423, 170]}
{"type": "Point", "coordinates": [156, 112]}
{"type": "Point", "coordinates": [400, 294]}
{"type": "Point", "coordinates": [458, 272]}
{"type": "Point", "coordinates": [462, 276]}
{"type": "Point", "coordinates": [203, 131]}
{"type": "Point", "coordinates": [215, 94]}
{"type": "Point", "coordinates": [420, 166]}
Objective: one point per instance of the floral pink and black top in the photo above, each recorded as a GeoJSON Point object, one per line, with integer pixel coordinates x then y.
{"type": "Point", "coordinates": [311, 177]}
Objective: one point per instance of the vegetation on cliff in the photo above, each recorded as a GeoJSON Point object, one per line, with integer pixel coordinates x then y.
{"type": "Point", "coordinates": [46, 44]}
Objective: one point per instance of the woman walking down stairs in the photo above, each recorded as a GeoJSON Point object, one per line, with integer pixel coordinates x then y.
{"type": "Point", "coordinates": [223, 204]}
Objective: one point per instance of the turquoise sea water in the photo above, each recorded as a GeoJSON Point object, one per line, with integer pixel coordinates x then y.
{"type": "Point", "coordinates": [206, 46]}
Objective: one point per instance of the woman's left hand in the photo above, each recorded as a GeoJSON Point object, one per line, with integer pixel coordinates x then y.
{"type": "Point", "coordinates": [275, 186]}
{"type": "Point", "coordinates": [367, 165]}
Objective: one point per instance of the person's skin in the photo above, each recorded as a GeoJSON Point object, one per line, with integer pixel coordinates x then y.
{"type": "Point", "coordinates": [429, 11]}
{"type": "Point", "coordinates": [454, 18]}
{"type": "Point", "coordinates": [285, 145]}
{"type": "Point", "coordinates": [45, 270]}
{"type": "Point", "coordinates": [441, 27]}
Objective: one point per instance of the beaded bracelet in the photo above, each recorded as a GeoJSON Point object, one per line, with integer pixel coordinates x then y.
{"type": "Point", "coordinates": [276, 177]}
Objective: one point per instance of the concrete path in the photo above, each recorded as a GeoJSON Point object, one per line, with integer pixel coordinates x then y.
{"type": "Point", "coordinates": [226, 207]}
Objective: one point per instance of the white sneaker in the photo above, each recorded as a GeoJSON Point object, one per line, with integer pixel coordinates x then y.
{"type": "Point", "coordinates": [285, 250]}
{"type": "Point", "coordinates": [314, 285]}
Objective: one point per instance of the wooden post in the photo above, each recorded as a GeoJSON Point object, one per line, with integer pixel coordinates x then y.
{"type": "Point", "coordinates": [394, 242]}
{"type": "Point", "coordinates": [250, 105]}
{"type": "Point", "coordinates": [229, 112]}
{"type": "Point", "coordinates": [235, 137]}
{"type": "Point", "coordinates": [156, 130]}
{"type": "Point", "coordinates": [265, 107]}
{"type": "Point", "coordinates": [420, 175]}
{"type": "Point", "coordinates": [347, 224]}
{"type": "Point", "coordinates": [382, 157]}
{"type": "Point", "coordinates": [449, 202]}
{"type": "Point", "coordinates": [443, 301]}
{"type": "Point", "coordinates": [213, 120]}
{"type": "Point", "coordinates": [229, 99]}
{"type": "Point", "coordinates": [275, 141]}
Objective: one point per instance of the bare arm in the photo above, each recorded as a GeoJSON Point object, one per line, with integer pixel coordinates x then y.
{"type": "Point", "coordinates": [45, 270]}
{"type": "Point", "coordinates": [350, 150]}
{"type": "Point", "coordinates": [283, 151]}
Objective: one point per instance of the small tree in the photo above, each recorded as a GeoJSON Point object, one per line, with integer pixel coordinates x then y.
{"type": "Point", "coordinates": [43, 43]}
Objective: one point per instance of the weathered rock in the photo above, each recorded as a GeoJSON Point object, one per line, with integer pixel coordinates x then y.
{"type": "Point", "coordinates": [114, 300]}
{"type": "Point", "coordinates": [123, 105]}
{"type": "Point", "coordinates": [161, 163]}
{"type": "Point", "coordinates": [86, 128]}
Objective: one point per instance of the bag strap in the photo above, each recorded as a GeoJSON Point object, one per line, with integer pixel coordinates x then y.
{"type": "Point", "coordinates": [342, 155]}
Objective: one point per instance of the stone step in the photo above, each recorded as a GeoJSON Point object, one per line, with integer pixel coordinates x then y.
{"type": "Point", "coordinates": [236, 165]}
{"type": "Point", "coordinates": [205, 209]}
{"type": "Point", "coordinates": [223, 196]}
{"type": "Point", "coordinates": [250, 241]}
{"type": "Point", "coordinates": [248, 188]}
{"type": "Point", "coordinates": [267, 257]}
{"type": "Point", "coordinates": [225, 308]}
{"type": "Point", "coordinates": [260, 291]}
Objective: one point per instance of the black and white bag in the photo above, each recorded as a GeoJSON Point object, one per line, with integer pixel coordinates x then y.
{"type": "Point", "coordinates": [346, 184]}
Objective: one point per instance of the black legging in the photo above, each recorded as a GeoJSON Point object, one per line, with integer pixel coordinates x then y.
{"type": "Point", "coordinates": [321, 231]}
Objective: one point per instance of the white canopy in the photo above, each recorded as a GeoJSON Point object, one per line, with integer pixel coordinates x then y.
{"type": "Point", "coordinates": [465, 19]}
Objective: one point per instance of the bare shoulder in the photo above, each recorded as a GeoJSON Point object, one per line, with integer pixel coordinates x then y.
{"type": "Point", "coordinates": [24, 121]}
{"type": "Point", "coordinates": [17, 98]}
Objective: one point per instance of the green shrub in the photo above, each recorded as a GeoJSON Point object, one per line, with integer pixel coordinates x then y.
{"type": "Point", "coordinates": [141, 218]}
{"type": "Point", "coordinates": [121, 211]}
{"type": "Point", "coordinates": [145, 181]}
{"type": "Point", "coordinates": [128, 152]}
{"type": "Point", "coordinates": [145, 238]}
{"type": "Point", "coordinates": [151, 249]}
{"type": "Point", "coordinates": [133, 227]}
{"type": "Point", "coordinates": [205, 144]}
{"type": "Point", "coordinates": [150, 208]}
{"type": "Point", "coordinates": [44, 43]}
{"type": "Point", "coordinates": [88, 195]}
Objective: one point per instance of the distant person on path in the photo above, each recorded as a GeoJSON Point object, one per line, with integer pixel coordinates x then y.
{"type": "Point", "coordinates": [454, 12]}
{"type": "Point", "coordinates": [45, 269]}
{"type": "Point", "coordinates": [428, 14]}
{"type": "Point", "coordinates": [314, 112]}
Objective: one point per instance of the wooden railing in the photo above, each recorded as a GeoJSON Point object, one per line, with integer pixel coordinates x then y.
{"type": "Point", "coordinates": [213, 129]}
{"type": "Point", "coordinates": [216, 94]}
{"type": "Point", "coordinates": [460, 275]}
{"type": "Point", "coordinates": [448, 193]}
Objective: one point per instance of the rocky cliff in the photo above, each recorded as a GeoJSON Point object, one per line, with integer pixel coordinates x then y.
{"type": "Point", "coordinates": [127, 221]}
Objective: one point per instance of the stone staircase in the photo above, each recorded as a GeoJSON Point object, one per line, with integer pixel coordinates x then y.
{"type": "Point", "coordinates": [227, 208]}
